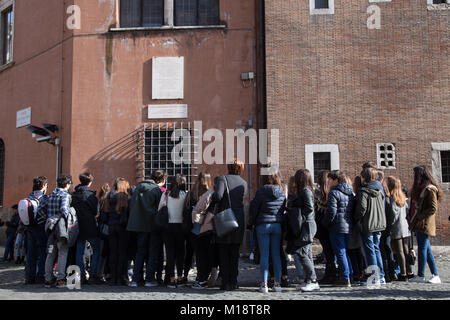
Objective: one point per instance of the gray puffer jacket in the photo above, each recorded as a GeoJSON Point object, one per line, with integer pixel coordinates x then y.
{"type": "Point", "coordinates": [397, 220]}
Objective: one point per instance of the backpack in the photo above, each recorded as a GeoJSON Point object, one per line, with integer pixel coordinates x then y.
{"type": "Point", "coordinates": [27, 211]}
{"type": "Point", "coordinates": [68, 227]}
{"type": "Point", "coordinates": [41, 214]}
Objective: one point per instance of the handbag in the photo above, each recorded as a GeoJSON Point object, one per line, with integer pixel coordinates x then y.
{"type": "Point", "coordinates": [225, 221]}
{"type": "Point", "coordinates": [411, 255]}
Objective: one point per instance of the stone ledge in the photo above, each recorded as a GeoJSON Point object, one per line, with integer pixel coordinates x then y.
{"type": "Point", "coordinates": [440, 6]}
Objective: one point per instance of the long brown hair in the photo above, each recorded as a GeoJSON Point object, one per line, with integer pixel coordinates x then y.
{"type": "Point", "coordinates": [274, 178]}
{"type": "Point", "coordinates": [202, 185]}
{"type": "Point", "coordinates": [357, 183]}
{"type": "Point", "coordinates": [122, 187]}
{"type": "Point", "coordinates": [177, 185]}
{"type": "Point", "coordinates": [395, 189]}
{"type": "Point", "coordinates": [303, 180]}
{"type": "Point", "coordinates": [102, 194]}
{"type": "Point", "coordinates": [422, 174]}
{"type": "Point", "coordinates": [322, 182]}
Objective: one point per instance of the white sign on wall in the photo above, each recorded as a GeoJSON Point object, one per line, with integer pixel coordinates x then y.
{"type": "Point", "coordinates": [168, 111]}
{"type": "Point", "coordinates": [23, 117]}
{"type": "Point", "coordinates": [168, 78]}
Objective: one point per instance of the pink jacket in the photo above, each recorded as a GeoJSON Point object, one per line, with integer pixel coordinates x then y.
{"type": "Point", "coordinates": [200, 214]}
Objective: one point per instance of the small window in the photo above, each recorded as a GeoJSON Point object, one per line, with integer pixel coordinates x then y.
{"type": "Point", "coordinates": [386, 155]}
{"type": "Point", "coordinates": [6, 34]}
{"type": "Point", "coordinates": [196, 12]}
{"type": "Point", "coordinates": [2, 170]}
{"type": "Point", "coordinates": [322, 161]}
{"type": "Point", "coordinates": [439, 1]}
{"type": "Point", "coordinates": [445, 166]}
{"type": "Point", "coordinates": [322, 4]}
{"type": "Point", "coordinates": [321, 7]}
{"type": "Point", "coordinates": [141, 13]}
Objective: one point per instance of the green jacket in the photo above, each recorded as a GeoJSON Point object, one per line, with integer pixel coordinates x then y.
{"type": "Point", "coordinates": [370, 211]}
{"type": "Point", "coordinates": [144, 206]}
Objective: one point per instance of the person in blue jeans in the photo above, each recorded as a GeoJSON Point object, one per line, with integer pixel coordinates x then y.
{"type": "Point", "coordinates": [338, 220]}
{"type": "Point", "coordinates": [266, 213]}
{"type": "Point", "coordinates": [425, 195]}
{"type": "Point", "coordinates": [370, 213]}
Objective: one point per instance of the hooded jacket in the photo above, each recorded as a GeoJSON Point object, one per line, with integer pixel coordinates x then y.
{"type": "Point", "coordinates": [397, 220]}
{"type": "Point", "coordinates": [268, 205]}
{"type": "Point", "coordinates": [370, 209]}
{"type": "Point", "coordinates": [144, 206]}
{"type": "Point", "coordinates": [338, 216]}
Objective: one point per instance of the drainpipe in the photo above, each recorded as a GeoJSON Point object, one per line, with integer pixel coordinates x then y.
{"type": "Point", "coordinates": [168, 13]}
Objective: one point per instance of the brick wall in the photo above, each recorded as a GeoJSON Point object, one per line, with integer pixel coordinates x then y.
{"type": "Point", "coordinates": [331, 80]}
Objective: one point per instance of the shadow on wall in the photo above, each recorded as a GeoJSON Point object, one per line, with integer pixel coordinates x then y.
{"type": "Point", "coordinates": [115, 160]}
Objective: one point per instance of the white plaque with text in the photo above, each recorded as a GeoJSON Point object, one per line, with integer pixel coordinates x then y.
{"type": "Point", "coordinates": [168, 78]}
{"type": "Point", "coordinates": [168, 111]}
{"type": "Point", "coordinates": [23, 117]}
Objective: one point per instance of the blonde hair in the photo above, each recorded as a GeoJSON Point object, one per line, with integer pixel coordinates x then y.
{"type": "Point", "coordinates": [395, 189]}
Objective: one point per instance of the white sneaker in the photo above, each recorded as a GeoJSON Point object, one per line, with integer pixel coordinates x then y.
{"type": "Point", "coordinates": [435, 280]}
{"type": "Point", "coordinates": [252, 256]}
{"type": "Point", "coordinates": [132, 284]}
{"type": "Point", "coordinates": [312, 286]}
{"type": "Point", "coordinates": [277, 288]}
{"type": "Point", "coordinates": [383, 281]}
{"type": "Point", "coordinates": [418, 279]}
{"type": "Point", "coordinates": [264, 289]}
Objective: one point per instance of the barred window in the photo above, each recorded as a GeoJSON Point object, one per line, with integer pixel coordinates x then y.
{"type": "Point", "coordinates": [2, 170]}
{"type": "Point", "coordinates": [141, 13]}
{"type": "Point", "coordinates": [155, 153]}
{"type": "Point", "coordinates": [322, 4]}
{"type": "Point", "coordinates": [322, 161]}
{"type": "Point", "coordinates": [445, 166]}
{"type": "Point", "coordinates": [196, 12]}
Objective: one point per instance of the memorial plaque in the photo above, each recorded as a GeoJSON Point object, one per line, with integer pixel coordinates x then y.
{"type": "Point", "coordinates": [168, 78]}
{"type": "Point", "coordinates": [168, 111]}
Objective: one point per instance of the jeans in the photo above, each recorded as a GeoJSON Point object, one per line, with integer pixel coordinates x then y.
{"type": "Point", "coordinates": [306, 258]}
{"type": "Point", "coordinates": [298, 266]}
{"type": "Point", "coordinates": [19, 245]}
{"type": "Point", "coordinates": [371, 243]}
{"type": "Point", "coordinates": [56, 249]}
{"type": "Point", "coordinates": [252, 240]}
{"type": "Point", "coordinates": [339, 242]}
{"type": "Point", "coordinates": [9, 246]}
{"type": "Point", "coordinates": [36, 253]}
{"type": "Point", "coordinates": [425, 255]}
{"type": "Point", "coordinates": [95, 260]}
{"type": "Point", "coordinates": [269, 239]}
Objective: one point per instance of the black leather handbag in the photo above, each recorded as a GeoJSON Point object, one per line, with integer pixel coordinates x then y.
{"type": "Point", "coordinates": [225, 221]}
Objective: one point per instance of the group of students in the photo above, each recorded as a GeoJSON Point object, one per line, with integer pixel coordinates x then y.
{"type": "Point", "coordinates": [363, 225]}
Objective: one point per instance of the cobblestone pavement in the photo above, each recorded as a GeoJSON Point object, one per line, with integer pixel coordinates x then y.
{"type": "Point", "coordinates": [12, 288]}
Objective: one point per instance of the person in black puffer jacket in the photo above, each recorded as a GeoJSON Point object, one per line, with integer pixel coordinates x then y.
{"type": "Point", "coordinates": [338, 221]}
{"type": "Point", "coordinates": [266, 213]}
{"type": "Point", "coordinates": [303, 228]}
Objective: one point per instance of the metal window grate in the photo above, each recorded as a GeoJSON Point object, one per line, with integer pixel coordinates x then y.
{"type": "Point", "coordinates": [154, 152]}
{"type": "Point", "coordinates": [445, 166]}
{"type": "Point", "coordinates": [322, 161]}
{"type": "Point", "coordinates": [2, 170]}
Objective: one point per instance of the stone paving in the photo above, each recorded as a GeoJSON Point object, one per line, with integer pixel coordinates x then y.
{"type": "Point", "coordinates": [12, 288]}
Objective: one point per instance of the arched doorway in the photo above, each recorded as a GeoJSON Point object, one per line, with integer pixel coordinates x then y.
{"type": "Point", "coordinates": [2, 170]}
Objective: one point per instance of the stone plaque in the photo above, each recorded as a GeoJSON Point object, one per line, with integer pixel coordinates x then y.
{"type": "Point", "coordinates": [168, 111]}
{"type": "Point", "coordinates": [23, 117]}
{"type": "Point", "coordinates": [168, 78]}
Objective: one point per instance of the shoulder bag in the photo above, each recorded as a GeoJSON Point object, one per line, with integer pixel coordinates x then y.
{"type": "Point", "coordinates": [225, 221]}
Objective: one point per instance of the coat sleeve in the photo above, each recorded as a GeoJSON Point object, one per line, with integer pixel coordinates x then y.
{"type": "Point", "coordinates": [308, 203]}
{"type": "Point", "coordinates": [361, 206]}
{"type": "Point", "coordinates": [255, 206]}
{"type": "Point", "coordinates": [162, 201]}
{"type": "Point", "coordinates": [219, 190]}
{"type": "Point", "coordinates": [201, 207]}
{"type": "Point", "coordinates": [430, 198]}
{"type": "Point", "coordinates": [331, 211]}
